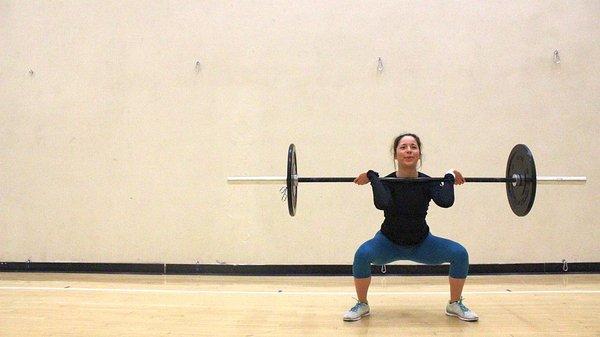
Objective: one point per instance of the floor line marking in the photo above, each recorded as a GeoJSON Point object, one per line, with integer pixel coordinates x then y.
{"type": "Point", "coordinates": [293, 293]}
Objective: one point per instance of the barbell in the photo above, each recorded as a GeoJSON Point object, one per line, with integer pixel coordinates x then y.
{"type": "Point", "coordinates": [520, 179]}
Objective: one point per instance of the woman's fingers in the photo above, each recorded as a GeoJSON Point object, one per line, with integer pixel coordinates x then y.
{"type": "Point", "coordinates": [361, 179]}
{"type": "Point", "coordinates": [458, 178]}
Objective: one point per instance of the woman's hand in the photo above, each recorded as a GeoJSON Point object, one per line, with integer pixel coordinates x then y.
{"type": "Point", "coordinates": [458, 178]}
{"type": "Point", "coordinates": [362, 179]}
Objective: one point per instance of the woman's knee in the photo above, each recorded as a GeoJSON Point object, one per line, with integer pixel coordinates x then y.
{"type": "Point", "coordinates": [460, 254]}
{"type": "Point", "coordinates": [364, 254]}
{"type": "Point", "coordinates": [361, 268]}
{"type": "Point", "coordinates": [459, 262]}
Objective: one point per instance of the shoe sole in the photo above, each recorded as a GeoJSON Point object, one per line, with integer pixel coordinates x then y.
{"type": "Point", "coordinates": [463, 319]}
{"type": "Point", "coordinates": [356, 319]}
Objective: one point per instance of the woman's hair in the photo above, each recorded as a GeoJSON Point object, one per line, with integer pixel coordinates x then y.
{"type": "Point", "coordinates": [399, 138]}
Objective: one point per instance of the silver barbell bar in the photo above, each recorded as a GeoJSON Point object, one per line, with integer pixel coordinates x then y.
{"type": "Point", "coordinates": [277, 180]}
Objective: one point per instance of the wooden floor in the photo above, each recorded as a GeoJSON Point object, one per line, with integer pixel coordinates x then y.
{"type": "Point", "coordinates": [34, 304]}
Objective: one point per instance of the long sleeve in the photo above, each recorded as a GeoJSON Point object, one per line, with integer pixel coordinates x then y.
{"type": "Point", "coordinates": [443, 195]}
{"type": "Point", "coordinates": [382, 197]}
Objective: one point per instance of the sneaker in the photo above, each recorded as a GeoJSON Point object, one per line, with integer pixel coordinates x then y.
{"type": "Point", "coordinates": [458, 309]}
{"type": "Point", "coordinates": [357, 312]}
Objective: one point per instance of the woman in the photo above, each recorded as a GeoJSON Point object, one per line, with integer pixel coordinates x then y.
{"type": "Point", "coordinates": [404, 234]}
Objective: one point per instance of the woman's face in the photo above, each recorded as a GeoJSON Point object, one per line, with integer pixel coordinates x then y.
{"type": "Point", "coordinates": [408, 152]}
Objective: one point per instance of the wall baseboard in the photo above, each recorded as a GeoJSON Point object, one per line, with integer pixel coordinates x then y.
{"type": "Point", "coordinates": [298, 270]}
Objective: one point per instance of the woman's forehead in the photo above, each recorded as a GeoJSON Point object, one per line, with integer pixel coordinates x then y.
{"type": "Point", "coordinates": [407, 140]}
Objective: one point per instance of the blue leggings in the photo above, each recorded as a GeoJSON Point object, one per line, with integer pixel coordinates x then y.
{"type": "Point", "coordinates": [433, 250]}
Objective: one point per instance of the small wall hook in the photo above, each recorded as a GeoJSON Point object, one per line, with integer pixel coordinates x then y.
{"type": "Point", "coordinates": [556, 57]}
{"type": "Point", "coordinates": [379, 65]}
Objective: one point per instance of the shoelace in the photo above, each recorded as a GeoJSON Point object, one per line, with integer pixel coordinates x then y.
{"type": "Point", "coordinates": [462, 306]}
{"type": "Point", "coordinates": [356, 306]}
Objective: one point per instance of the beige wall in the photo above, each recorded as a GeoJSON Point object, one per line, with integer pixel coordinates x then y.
{"type": "Point", "coordinates": [116, 147]}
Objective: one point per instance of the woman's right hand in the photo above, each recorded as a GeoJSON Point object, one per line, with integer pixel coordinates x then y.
{"type": "Point", "coordinates": [362, 179]}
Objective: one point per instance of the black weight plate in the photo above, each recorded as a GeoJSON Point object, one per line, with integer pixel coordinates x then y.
{"type": "Point", "coordinates": [292, 180]}
{"type": "Point", "coordinates": [521, 195]}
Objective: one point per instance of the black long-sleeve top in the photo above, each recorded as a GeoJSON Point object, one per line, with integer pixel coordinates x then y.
{"type": "Point", "coordinates": [405, 206]}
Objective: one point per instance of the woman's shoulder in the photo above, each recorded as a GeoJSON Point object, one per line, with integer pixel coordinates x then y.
{"type": "Point", "coordinates": [423, 175]}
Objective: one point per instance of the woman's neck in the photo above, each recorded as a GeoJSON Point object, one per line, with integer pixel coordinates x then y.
{"type": "Point", "coordinates": [407, 172]}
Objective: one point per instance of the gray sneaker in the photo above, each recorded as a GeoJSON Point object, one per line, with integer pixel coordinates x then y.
{"type": "Point", "coordinates": [458, 309]}
{"type": "Point", "coordinates": [357, 312]}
